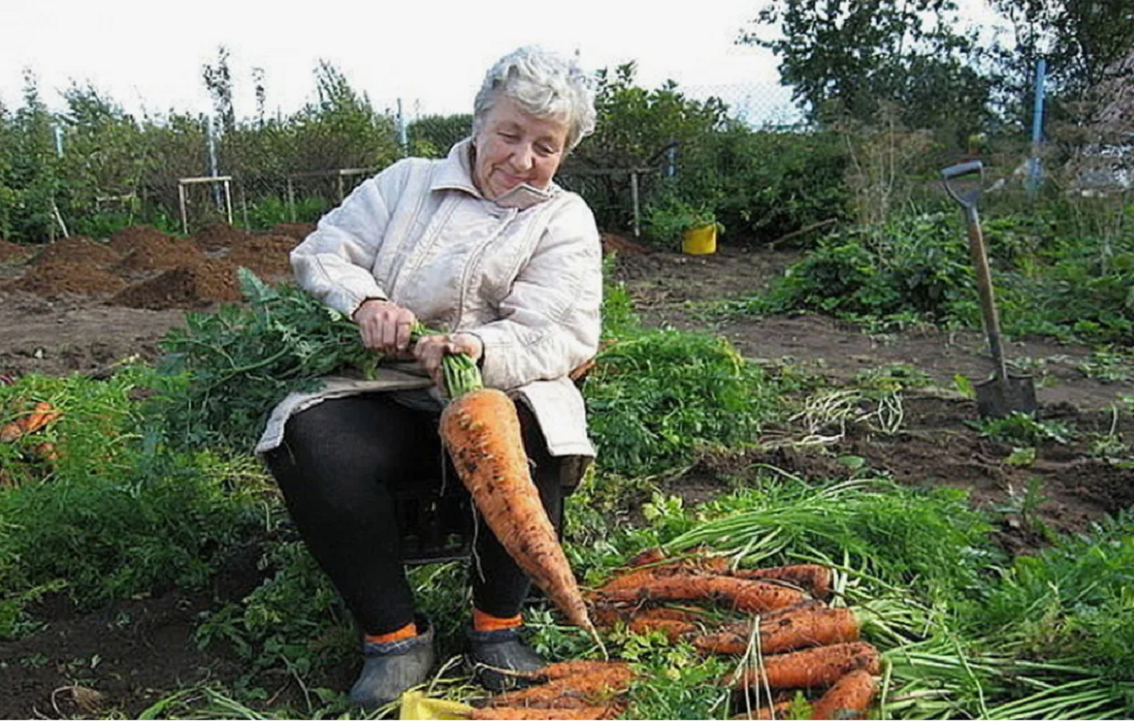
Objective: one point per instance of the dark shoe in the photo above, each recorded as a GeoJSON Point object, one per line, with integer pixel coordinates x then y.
{"type": "Point", "coordinates": [496, 655]}
{"type": "Point", "coordinates": [391, 668]}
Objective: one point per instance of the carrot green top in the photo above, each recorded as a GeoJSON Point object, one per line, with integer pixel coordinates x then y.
{"type": "Point", "coordinates": [460, 371]}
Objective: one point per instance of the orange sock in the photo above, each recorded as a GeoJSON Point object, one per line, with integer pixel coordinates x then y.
{"type": "Point", "coordinates": [485, 622]}
{"type": "Point", "coordinates": [406, 632]}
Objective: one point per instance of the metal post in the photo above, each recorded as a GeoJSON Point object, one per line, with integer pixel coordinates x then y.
{"type": "Point", "coordinates": [213, 169]}
{"type": "Point", "coordinates": [403, 136]}
{"type": "Point", "coordinates": [1035, 170]}
{"type": "Point", "coordinates": [634, 197]}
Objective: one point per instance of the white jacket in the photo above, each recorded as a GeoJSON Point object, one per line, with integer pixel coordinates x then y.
{"type": "Point", "coordinates": [522, 272]}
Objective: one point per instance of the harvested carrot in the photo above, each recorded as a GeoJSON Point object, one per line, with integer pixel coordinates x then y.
{"type": "Point", "coordinates": [815, 667]}
{"type": "Point", "coordinates": [41, 415]}
{"type": "Point", "coordinates": [12, 431]}
{"type": "Point", "coordinates": [644, 574]}
{"type": "Point", "coordinates": [746, 595]}
{"type": "Point", "coordinates": [580, 690]}
{"type": "Point", "coordinates": [574, 668]}
{"type": "Point", "coordinates": [673, 629]}
{"type": "Point", "coordinates": [813, 578]}
{"type": "Point", "coordinates": [847, 698]}
{"type": "Point", "coordinates": [46, 451]}
{"type": "Point", "coordinates": [520, 713]}
{"type": "Point", "coordinates": [804, 628]}
{"type": "Point", "coordinates": [481, 431]}
{"type": "Point", "coordinates": [648, 556]}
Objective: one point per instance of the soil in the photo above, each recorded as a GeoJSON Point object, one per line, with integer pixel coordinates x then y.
{"type": "Point", "coordinates": [65, 314]}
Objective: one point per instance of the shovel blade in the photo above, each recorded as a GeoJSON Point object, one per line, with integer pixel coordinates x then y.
{"type": "Point", "coordinates": [999, 397]}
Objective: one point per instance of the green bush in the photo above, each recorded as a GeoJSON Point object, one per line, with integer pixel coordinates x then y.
{"type": "Point", "coordinates": [655, 397]}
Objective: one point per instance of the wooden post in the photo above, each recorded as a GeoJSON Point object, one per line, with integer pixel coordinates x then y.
{"type": "Point", "coordinates": [634, 200]}
{"type": "Point", "coordinates": [184, 214]}
{"type": "Point", "coordinates": [228, 200]}
{"type": "Point", "coordinates": [291, 199]}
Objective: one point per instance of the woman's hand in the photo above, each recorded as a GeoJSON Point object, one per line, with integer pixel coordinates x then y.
{"type": "Point", "coordinates": [385, 326]}
{"type": "Point", "coordinates": [430, 349]}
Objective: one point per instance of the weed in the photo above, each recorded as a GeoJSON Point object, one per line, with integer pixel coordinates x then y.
{"type": "Point", "coordinates": [1109, 366]}
{"type": "Point", "coordinates": [1022, 429]}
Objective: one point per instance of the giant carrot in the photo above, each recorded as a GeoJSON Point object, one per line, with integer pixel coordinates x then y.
{"type": "Point", "coordinates": [745, 595]}
{"type": "Point", "coordinates": [815, 667]}
{"type": "Point", "coordinates": [813, 578]}
{"type": "Point", "coordinates": [805, 628]}
{"type": "Point", "coordinates": [848, 698]}
{"type": "Point", "coordinates": [481, 431]}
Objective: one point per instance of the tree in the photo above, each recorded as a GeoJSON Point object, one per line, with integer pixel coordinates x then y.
{"type": "Point", "coordinates": [1080, 39]}
{"type": "Point", "coordinates": [218, 80]}
{"type": "Point", "coordinates": [852, 56]}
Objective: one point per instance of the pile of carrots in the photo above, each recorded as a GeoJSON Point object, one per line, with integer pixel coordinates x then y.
{"type": "Point", "coordinates": [28, 422]}
{"type": "Point", "coordinates": [799, 643]}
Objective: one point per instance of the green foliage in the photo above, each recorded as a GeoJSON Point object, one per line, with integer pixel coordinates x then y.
{"type": "Point", "coordinates": [1071, 601]}
{"type": "Point", "coordinates": [772, 182]}
{"type": "Point", "coordinates": [667, 217]}
{"type": "Point", "coordinates": [639, 128]}
{"type": "Point", "coordinates": [293, 621]}
{"type": "Point", "coordinates": [225, 371]}
{"type": "Point", "coordinates": [113, 519]}
{"type": "Point", "coordinates": [919, 267]}
{"type": "Point", "coordinates": [924, 538]}
{"type": "Point", "coordinates": [1021, 428]}
{"type": "Point", "coordinates": [432, 136]}
{"type": "Point", "coordinates": [657, 396]}
{"type": "Point", "coordinates": [850, 56]}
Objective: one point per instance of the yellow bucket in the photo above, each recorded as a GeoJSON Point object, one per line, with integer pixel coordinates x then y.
{"type": "Point", "coordinates": [699, 241]}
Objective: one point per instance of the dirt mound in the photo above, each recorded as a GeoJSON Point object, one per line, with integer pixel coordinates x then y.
{"type": "Point", "coordinates": [298, 231]}
{"type": "Point", "coordinates": [192, 286]}
{"type": "Point", "coordinates": [157, 253]}
{"type": "Point", "coordinates": [266, 256]}
{"type": "Point", "coordinates": [55, 277]}
{"type": "Point", "coordinates": [77, 250]}
{"type": "Point", "coordinates": [614, 243]}
{"type": "Point", "coordinates": [134, 237]}
{"type": "Point", "coordinates": [11, 252]}
{"type": "Point", "coordinates": [219, 236]}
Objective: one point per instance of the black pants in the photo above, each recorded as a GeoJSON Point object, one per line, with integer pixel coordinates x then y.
{"type": "Point", "coordinates": [338, 468]}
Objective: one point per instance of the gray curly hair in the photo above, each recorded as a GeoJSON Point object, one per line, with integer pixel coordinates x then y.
{"type": "Point", "coordinates": [543, 84]}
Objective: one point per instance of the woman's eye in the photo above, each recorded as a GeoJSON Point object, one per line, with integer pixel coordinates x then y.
{"type": "Point", "coordinates": [509, 136]}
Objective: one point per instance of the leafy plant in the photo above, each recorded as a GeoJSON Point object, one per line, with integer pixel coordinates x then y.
{"type": "Point", "coordinates": [655, 397]}
{"type": "Point", "coordinates": [1022, 429]}
{"type": "Point", "coordinates": [668, 217]}
{"type": "Point", "coordinates": [225, 371]}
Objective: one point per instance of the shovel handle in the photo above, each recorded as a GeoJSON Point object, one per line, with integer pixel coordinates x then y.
{"type": "Point", "coordinates": [967, 199]}
{"type": "Point", "coordinates": [984, 286]}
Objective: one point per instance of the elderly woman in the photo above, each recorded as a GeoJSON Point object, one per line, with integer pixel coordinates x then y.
{"type": "Point", "coordinates": [484, 245]}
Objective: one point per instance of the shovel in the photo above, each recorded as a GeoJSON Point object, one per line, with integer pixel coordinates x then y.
{"type": "Point", "coordinates": [1005, 392]}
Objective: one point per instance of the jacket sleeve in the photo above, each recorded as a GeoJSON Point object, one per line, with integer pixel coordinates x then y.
{"type": "Point", "coordinates": [550, 319]}
{"type": "Point", "coordinates": [335, 262]}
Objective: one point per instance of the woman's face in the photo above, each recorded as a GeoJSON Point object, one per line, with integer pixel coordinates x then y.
{"type": "Point", "coordinates": [514, 147]}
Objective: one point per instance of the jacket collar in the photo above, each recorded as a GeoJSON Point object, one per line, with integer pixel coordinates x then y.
{"type": "Point", "coordinates": [455, 173]}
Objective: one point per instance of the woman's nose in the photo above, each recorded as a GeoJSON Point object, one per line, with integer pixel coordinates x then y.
{"type": "Point", "coordinates": [523, 158]}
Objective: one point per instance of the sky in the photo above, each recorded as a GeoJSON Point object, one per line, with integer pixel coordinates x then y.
{"type": "Point", "coordinates": [430, 54]}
